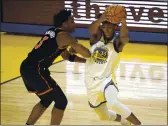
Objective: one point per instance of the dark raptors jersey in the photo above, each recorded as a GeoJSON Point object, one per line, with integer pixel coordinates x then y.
{"type": "Point", "coordinates": [46, 50]}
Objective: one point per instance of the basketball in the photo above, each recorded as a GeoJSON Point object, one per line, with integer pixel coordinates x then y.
{"type": "Point", "coordinates": [115, 13]}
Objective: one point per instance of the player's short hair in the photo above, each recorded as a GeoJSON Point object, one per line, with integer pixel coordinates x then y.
{"type": "Point", "coordinates": [61, 17]}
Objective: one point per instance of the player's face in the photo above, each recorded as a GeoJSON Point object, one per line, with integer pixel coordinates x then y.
{"type": "Point", "coordinates": [108, 30]}
{"type": "Point", "coordinates": [71, 24]}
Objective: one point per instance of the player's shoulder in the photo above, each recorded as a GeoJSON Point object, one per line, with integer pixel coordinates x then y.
{"type": "Point", "coordinates": [53, 29]}
{"type": "Point", "coordinates": [50, 30]}
{"type": "Point", "coordinates": [50, 33]}
{"type": "Point", "coordinates": [53, 32]}
{"type": "Point", "coordinates": [65, 37]}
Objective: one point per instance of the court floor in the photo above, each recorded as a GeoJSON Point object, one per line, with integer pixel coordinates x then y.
{"type": "Point", "coordinates": [142, 81]}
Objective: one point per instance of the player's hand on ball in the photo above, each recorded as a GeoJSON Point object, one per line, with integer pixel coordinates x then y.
{"type": "Point", "coordinates": [115, 13]}
{"type": "Point", "coordinates": [123, 21]}
{"type": "Point", "coordinates": [125, 16]}
{"type": "Point", "coordinates": [103, 17]}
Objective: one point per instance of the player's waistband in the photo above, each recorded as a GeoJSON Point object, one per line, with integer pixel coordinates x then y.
{"type": "Point", "coordinates": [99, 78]}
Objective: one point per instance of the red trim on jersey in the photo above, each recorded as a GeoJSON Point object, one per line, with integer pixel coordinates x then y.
{"type": "Point", "coordinates": [45, 92]}
{"type": "Point", "coordinates": [42, 76]}
{"type": "Point", "coordinates": [49, 88]}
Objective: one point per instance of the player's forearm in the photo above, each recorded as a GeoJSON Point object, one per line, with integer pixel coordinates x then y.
{"type": "Point", "coordinates": [94, 27]}
{"type": "Point", "coordinates": [82, 50]}
{"type": "Point", "coordinates": [72, 58]}
{"type": "Point", "coordinates": [124, 36]}
{"type": "Point", "coordinates": [80, 59]}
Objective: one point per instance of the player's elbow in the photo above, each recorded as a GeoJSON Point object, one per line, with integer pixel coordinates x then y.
{"type": "Point", "coordinates": [91, 31]}
{"type": "Point", "coordinates": [124, 40]}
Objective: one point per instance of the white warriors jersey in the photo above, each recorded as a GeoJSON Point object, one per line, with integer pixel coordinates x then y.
{"type": "Point", "coordinates": [104, 60]}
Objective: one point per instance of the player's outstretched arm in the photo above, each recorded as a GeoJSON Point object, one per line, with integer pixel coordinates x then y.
{"type": "Point", "coordinates": [94, 27]}
{"type": "Point", "coordinates": [65, 39]}
{"type": "Point", "coordinates": [72, 57]}
{"type": "Point", "coordinates": [124, 36]}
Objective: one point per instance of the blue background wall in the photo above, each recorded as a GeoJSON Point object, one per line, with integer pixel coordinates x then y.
{"type": "Point", "coordinates": [145, 37]}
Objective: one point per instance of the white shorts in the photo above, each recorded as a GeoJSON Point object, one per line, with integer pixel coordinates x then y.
{"type": "Point", "coordinates": [96, 90]}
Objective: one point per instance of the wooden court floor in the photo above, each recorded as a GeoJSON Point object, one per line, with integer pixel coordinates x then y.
{"type": "Point", "coordinates": [141, 75]}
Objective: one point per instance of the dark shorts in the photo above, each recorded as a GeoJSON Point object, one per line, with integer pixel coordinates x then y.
{"type": "Point", "coordinates": [37, 79]}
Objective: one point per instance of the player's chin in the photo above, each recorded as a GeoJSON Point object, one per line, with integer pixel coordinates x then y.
{"type": "Point", "coordinates": [109, 37]}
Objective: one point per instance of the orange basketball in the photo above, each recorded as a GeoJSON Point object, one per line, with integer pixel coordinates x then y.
{"type": "Point", "coordinates": [115, 13]}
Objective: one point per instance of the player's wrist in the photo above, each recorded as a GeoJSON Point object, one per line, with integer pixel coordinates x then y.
{"type": "Point", "coordinates": [123, 21]}
{"type": "Point", "coordinates": [99, 21]}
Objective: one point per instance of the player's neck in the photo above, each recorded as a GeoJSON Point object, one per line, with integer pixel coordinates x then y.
{"type": "Point", "coordinates": [109, 38]}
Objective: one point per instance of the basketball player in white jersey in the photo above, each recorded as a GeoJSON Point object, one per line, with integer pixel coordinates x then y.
{"type": "Point", "coordinates": [106, 46]}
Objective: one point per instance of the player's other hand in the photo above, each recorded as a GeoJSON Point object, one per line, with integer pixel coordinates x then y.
{"type": "Point", "coordinates": [103, 17]}
{"type": "Point", "coordinates": [72, 51]}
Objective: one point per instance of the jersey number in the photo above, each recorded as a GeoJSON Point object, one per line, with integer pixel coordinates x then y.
{"type": "Point", "coordinates": [41, 42]}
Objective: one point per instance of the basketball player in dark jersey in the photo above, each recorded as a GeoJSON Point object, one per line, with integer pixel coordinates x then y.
{"type": "Point", "coordinates": [34, 69]}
